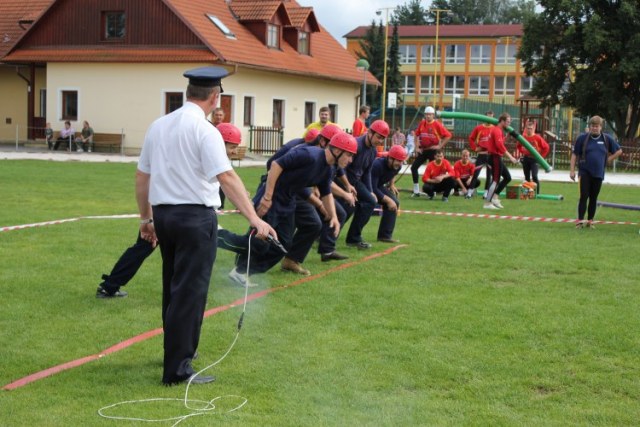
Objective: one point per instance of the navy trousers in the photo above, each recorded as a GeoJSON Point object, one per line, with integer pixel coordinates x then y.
{"type": "Point", "coordinates": [361, 212]}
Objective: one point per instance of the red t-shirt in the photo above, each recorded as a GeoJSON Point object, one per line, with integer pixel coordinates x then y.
{"type": "Point", "coordinates": [537, 142]}
{"type": "Point", "coordinates": [464, 171]}
{"type": "Point", "coordinates": [478, 139]}
{"type": "Point", "coordinates": [496, 141]}
{"type": "Point", "coordinates": [359, 128]}
{"type": "Point", "coordinates": [434, 170]}
{"type": "Point", "coordinates": [430, 134]}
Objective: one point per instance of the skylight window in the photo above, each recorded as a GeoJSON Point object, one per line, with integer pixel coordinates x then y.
{"type": "Point", "coordinates": [218, 23]}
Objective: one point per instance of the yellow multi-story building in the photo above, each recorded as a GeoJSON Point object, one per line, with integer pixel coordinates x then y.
{"type": "Point", "coordinates": [471, 61]}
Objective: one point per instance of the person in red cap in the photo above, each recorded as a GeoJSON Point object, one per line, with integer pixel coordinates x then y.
{"type": "Point", "coordinates": [383, 172]}
{"type": "Point", "coordinates": [358, 182]}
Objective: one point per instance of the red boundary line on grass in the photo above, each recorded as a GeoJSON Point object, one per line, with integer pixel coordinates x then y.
{"type": "Point", "coordinates": [152, 333]}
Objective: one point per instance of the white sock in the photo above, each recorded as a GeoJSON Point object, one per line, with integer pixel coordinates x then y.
{"type": "Point", "coordinates": [416, 188]}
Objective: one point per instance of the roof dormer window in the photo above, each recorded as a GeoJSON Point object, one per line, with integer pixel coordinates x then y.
{"type": "Point", "coordinates": [273, 36]}
{"type": "Point", "coordinates": [303, 42]}
{"type": "Point", "coordinates": [114, 25]}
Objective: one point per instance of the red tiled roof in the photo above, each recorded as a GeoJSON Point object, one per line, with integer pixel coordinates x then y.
{"type": "Point", "coordinates": [328, 58]}
{"type": "Point", "coordinates": [255, 10]}
{"type": "Point", "coordinates": [124, 54]}
{"type": "Point", "coordinates": [498, 30]}
{"type": "Point", "coordinates": [298, 15]}
{"type": "Point", "coordinates": [14, 11]}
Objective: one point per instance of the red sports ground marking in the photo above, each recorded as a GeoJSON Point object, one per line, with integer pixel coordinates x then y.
{"type": "Point", "coordinates": [152, 333]}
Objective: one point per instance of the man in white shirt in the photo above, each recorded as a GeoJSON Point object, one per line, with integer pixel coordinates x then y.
{"type": "Point", "coordinates": [182, 160]}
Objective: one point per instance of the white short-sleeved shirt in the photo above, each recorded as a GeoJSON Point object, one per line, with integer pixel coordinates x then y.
{"type": "Point", "coordinates": [183, 153]}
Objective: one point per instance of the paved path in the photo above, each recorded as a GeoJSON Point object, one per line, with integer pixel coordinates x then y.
{"type": "Point", "coordinates": [9, 153]}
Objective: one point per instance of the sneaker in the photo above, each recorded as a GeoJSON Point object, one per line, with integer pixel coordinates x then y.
{"type": "Point", "coordinates": [290, 265]}
{"type": "Point", "coordinates": [360, 245]}
{"type": "Point", "coordinates": [79, 150]}
{"type": "Point", "coordinates": [469, 193]}
{"type": "Point", "coordinates": [590, 224]}
{"type": "Point", "coordinates": [89, 150]}
{"type": "Point", "coordinates": [445, 199]}
{"type": "Point", "coordinates": [416, 195]}
{"type": "Point", "coordinates": [333, 256]}
{"type": "Point", "coordinates": [460, 193]}
{"type": "Point", "coordinates": [580, 224]}
{"type": "Point", "coordinates": [496, 202]}
{"type": "Point", "coordinates": [490, 206]}
{"type": "Point", "coordinates": [240, 279]}
{"type": "Point", "coordinates": [103, 293]}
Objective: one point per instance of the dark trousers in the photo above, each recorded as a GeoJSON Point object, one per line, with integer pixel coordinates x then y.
{"type": "Point", "coordinates": [457, 187]}
{"type": "Point", "coordinates": [327, 242]}
{"type": "Point", "coordinates": [424, 157]}
{"type": "Point", "coordinates": [308, 227]}
{"type": "Point", "coordinates": [530, 169]}
{"type": "Point", "coordinates": [589, 191]}
{"type": "Point", "coordinates": [127, 266]}
{"type": "Point", "coordinates": [498, 170]}
{"type": "Point", "coordinates": [482, 159]}
{"type": "Point", "coordinates": [283, 224]}
{"type": "Point", "coordinates": [361, 212]}
{"type": "Point", "coordinates": [188, 236]}
{"type": "Point", "coordinates": [388, 220]}
{"type": "Point", "coordinates": [67, 142]}
{"type": "Point", "coordinates": [444, 187]}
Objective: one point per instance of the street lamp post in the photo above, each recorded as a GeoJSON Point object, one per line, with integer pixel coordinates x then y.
{"type": "Point", "coordinates": [386, 54]}
{"type": "Point", "coordinates": [436, 53]}
{"type": "Point", "coordinates": [363, 65]}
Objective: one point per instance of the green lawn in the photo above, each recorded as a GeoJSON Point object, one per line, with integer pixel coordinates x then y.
{"type": "Point", "coordinates": [475, 321]}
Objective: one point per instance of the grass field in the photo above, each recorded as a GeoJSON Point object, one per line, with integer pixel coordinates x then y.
{"type": "Point", "coordinates": [474, 321]}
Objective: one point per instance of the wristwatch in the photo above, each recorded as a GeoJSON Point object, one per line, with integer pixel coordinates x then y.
{"type": "Point", "coordinates": [146, 221]}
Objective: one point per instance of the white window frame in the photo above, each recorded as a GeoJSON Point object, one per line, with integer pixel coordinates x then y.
{"type": "Point", "coordinates": [454, 85]}
{"type": "Point", "coordinates": [409, 84]}
{"type": "Point", "coordinates": [480, 54]}
{"type": "Point", "coordinates": [479, 85]}
{"type": "Point", "coordinates": [303, 42]}
{"type": "Point", "coordinates": [425, 84]}
{"type": "Point", "coordinates": [426, 56]}
{"type": "Point", "coordinates": [273, 36]}
{"type": "Point", "coordinates": [408, 53]}
{"type": "Point", "coordinates": [499, 83]}
{"type": "Point", "coordinates": [506, 57]}
{"type": "Point", "coordinates": [526, 84]}
{"type": "Point", "coordinates": [459, 54]}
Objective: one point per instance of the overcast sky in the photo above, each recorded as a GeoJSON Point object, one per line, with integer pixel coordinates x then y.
{"type": "Point", "coordinates": [341, 16]}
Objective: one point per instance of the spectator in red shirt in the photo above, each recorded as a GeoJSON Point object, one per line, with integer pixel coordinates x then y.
{"type": "Point", "coordinates": [497, 149]}
{"type": "Point", "coordinates": [464, 171]}
{"type": "Point", "coordinates": [432, 136]}
{"type": "Point", "coordinates": [438, 177]}
{"type": "Point", "coordinates": [359, 125]}
{"type": "Point", "coordinates": [478, 142]}
{"type": "Point", "coordinates": [529, 163]}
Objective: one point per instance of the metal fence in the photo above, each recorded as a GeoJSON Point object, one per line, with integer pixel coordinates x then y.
{"type": "Point", "coordinates": [265, 139]}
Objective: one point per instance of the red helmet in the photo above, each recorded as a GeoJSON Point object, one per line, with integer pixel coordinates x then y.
{"type": "Point", "coordinates": [230, 133]}
{"type": "Point", "coordinates": [344, 141]}
{"type": "Point", "coordinates": [311, 135]}
{"type": "Point", "coordinates": [397, 152]}
{"type": "Point", "coordinates": [329, 130]}
{"type": "Point", "coordinates": [381, 127]}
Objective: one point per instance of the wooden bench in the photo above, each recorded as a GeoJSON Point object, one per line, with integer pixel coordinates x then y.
{"type": "Point", "coordinates": [241, 151]}
{"type": "Point", "coordinates": [110, 141]}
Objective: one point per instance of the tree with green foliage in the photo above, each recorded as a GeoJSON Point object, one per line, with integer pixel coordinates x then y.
{"type": "Point", "coordinates": [394, 77]}
{"type": "Point", "coordinates": [411, 13]}
{"type": "Point", "coordinates": [584, 55]}
{"type": "Point", "coordinates": [468, 12]}
{"type": "Point", "coordinates": [372, 49]}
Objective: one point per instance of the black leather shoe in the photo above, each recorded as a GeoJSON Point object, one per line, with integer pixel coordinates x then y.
{"type": "Point", "coordinates": [360, 245]}
{"type": "Point", "coordinates": [333, 256]}
{"type": "Point", "coordinates": [103, 293]}
{"type": "Point", "coordinates": [388, 240]}
{"type": "Point", "coordinates": [201, 379]}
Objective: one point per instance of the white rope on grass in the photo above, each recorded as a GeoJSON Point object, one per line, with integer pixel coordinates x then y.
{"type": "Point", "coordinates": [204, 407]}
